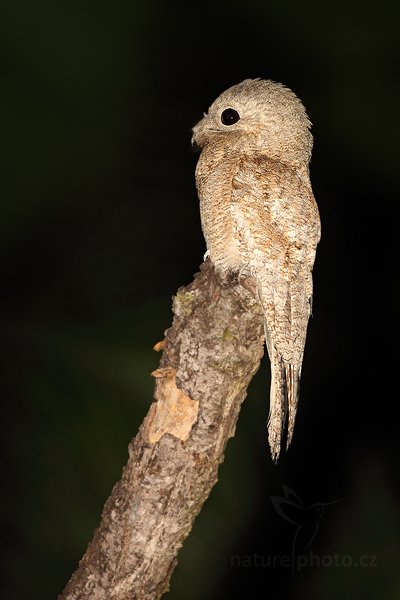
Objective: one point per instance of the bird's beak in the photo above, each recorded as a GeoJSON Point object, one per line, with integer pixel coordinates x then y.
{"type": "Point", "coordinates": [197, 135]}
{"type": "Point", "coordinates": [202, 132]}
{"type": "Point", "coordinates": [195, 145]}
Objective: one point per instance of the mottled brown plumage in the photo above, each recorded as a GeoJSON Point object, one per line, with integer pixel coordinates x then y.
{"type": "Point", "coordinates": [259, 217]}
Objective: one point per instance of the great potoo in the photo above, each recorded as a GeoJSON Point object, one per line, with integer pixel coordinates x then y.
{"type": "Point", "coordinates": [259, 218]}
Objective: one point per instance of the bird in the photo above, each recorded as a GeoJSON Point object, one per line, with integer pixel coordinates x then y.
{"type": "Point", "coordinates": [260, 219]}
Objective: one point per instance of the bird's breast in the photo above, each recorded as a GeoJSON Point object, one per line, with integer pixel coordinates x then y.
{"type": "Point", "coordinates": [214, 182]}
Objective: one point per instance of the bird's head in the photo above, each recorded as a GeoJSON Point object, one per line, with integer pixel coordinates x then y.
{"type": "Point", "coordinates": [258, 116]}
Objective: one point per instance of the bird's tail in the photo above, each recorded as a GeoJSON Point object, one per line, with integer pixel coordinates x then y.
{"type": "Point", "coordinates": [285, 380]}
{"type": "Point", "coordinates": [285, 325]}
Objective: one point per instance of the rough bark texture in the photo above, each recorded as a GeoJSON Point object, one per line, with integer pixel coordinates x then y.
{"type": "Point", "coordinates": [210, 354]}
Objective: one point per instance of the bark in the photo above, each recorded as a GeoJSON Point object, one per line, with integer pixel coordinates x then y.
{"type": "Point", "coordinates": [210, 354]}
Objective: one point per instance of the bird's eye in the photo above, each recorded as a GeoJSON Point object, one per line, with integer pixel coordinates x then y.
{"type": "Point", "coordinates": [230, 116]}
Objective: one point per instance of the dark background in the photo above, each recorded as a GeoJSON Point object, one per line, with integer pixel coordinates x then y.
{"type": "Point", "coordinates": [100, 226]}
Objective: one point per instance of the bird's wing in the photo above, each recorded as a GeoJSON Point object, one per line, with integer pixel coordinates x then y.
{"type": "Point", "coordinates": [274, 215]}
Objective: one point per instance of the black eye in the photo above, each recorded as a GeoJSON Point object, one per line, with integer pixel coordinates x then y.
{"type": "Point", "coordinates": [230, 116]}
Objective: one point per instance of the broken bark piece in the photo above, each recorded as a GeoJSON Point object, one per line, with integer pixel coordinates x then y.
{"type": "Point", "coordinates": [159, 346]}
{"type": "Point", "coordinates": [174, 413]}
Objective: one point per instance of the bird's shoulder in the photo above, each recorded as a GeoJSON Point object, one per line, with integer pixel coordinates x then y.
{"type": "Point", "coordinates": [279, 194]}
